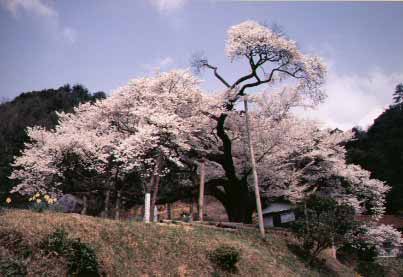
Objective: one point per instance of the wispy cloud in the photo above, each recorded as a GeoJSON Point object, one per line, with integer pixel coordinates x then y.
{"type": "Point", "coordinates": [40, 8]}
{"type": "Point", "coordinates": [37, 7]}
{"type": "Point", "coordinates": [165, 62]}
{"type": "Point", "coordinates": [168, 6]}
{"type": "Point", "coordinates": [355, 100]}
{"type": "Point", "coordinates": [159, 65]}
{"type": "Point", "coordinates": [70, 34]}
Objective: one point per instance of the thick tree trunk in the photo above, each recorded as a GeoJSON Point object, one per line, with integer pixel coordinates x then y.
{"type": "Point", "coordinates": [169, 211]}
{"type": "Point", "coordinates": [85, 205]}
{"type": "Point", "coordinates": [106, 203]}
{"type": "Point", "coordinates": [240, 208]}
{"type": "Point", "coordinates": [191, 210]}
{"type": "Point", "coordinates": [238, 201]}
{"type": "Point", "coordinates": [239, 214]}
{"type": "Point", "coordinates": [117, 204]}
{"type": "Point", "coordinates": [307, 230]}
{"type": "Point", "coordinates": [157, 173]}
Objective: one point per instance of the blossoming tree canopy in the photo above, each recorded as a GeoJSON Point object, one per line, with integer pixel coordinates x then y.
{"type": "Point", "coordinates": [271, 57]}
{"type": "Point", "coordinates": [122, 132]}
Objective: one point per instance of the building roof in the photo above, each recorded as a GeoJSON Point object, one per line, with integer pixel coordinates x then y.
{"type": "Point", "coordinates": [276, 207]}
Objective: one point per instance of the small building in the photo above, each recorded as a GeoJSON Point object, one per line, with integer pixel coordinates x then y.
{"type": "Point", "coordinates": [278, 214]}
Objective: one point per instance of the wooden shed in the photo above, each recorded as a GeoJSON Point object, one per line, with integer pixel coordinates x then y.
{"type": "Point", "coordinates": [278, 213]}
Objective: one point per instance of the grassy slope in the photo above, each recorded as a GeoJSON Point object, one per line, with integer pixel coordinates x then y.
{"type": "Point", "coordinates": [137, 249]}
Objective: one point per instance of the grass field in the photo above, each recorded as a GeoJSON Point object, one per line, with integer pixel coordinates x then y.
{"type": "Point", "coordinates": [138, 249]}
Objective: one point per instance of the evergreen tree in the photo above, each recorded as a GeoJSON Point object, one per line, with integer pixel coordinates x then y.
{"type": "Point", "coordinates": [380, 151]}
{"type": "Point", "coordinates": [398, 95]}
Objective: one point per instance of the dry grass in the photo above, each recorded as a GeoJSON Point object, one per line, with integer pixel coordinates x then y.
{"type": "Point", "coordinates": [137, 249]}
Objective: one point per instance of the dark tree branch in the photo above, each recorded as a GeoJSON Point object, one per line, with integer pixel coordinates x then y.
{"type": "Point", "coordinates": [215, 69]}
{"type": "Point", "coordinates": [212, 189]}
{"type": "Point", "coordinates": [228, 163]}
{"type": "Point", "coordinates": [249, 171]}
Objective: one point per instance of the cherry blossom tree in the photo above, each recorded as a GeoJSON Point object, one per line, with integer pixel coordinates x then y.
{"type": "Point", "coordinates": [382, 240]}
{"type": "Point", "coordinates": [294, 157]}
{"type": "Point", "coordinates": [317, 164]}
{"type": "Point", "coordinates": [271, 58]}
{"type": "Point", "coordinates": [148, 120]}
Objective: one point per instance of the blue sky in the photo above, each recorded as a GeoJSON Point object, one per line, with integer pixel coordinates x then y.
{"type": "Point", "coordinates": [102, 44]}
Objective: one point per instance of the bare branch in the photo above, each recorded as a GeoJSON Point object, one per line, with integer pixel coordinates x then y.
{"type": "Point", "coordinates": [199, 62]}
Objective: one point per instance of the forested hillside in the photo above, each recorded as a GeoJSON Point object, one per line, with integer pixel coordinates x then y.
{"type": "Point", "coordinates": [380, 151]}
{"type": "Point", "coordinates": [32, 109]}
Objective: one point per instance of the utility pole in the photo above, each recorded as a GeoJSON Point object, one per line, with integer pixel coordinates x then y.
{"type": "Point", "coordinates": [201, 189]}
{"type": "Point", "coordinates": [253, 165]}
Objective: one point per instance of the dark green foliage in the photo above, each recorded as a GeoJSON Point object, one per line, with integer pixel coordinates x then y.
{"type": "Point", "coordinates": [362, 251]}
{"type": "Point", "coordinates": [38, 207]}
{"type": "Point", "coordinates": [82, 260]}
{"type": "Point", "coordinates": [370, 269]}
{"type": "Point", "coordinates": [32, 109]}
{"type": "Point", "coordinates": [380, 151]}
{"type": "Point", "coordinates": [392, 266]}
{"type": "Point", "coordinates": [43, 206]}
{"type": "Point", "coordinates": [58, 242]}
{"type": "Point", "coordinates": [398, 95]}
{"type": "Point", "coordinates": [225, 257]}
{"type": "Point", "coordinates": [321, 223]}
{"type": "Point", "coordinates": [12, 268]}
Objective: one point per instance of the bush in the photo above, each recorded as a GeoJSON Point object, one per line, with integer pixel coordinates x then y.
{"type": "Point", "coordinates": [370, 269]}
{"type": "Point", "coordinates": [12, 268]}
{"type": "Point", "coordinates": [38, 207]}
{"type": "Point", "coordinates": [57, 242]}
{"type": "Point", "coordinates": [82, 260]}
{"type": "Point", "coordinates": [57, 208]}
{"type": "Point", "coordinates": [225, 257]}
{"type": "Point", "coordinates": [323, 223]}
{"type": "Point", "coordinates": [360, 250]}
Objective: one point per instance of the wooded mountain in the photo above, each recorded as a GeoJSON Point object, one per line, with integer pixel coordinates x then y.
{"type": "Point", "coordinates": [380, 150]}
{"type": "Point", "coordinates": [31, 109]}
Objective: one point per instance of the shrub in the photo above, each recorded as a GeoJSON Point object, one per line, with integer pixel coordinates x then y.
{"type": "Point", "coordinates": [323, 223]}
{"type": "Point", "coordinates": [362, 251]}
{"type": "Point", "coordinates": [57, 242]}
{"type": "Point", "coordinates": [370, 269]}
{"type": "Point", "coordinates": [185, 217]}
{"type": "Point", "coordinates": [57, 208]}
{"type": "Point", "coordinates": [41, 203]}
{"type": "Point", "coordinates": [38, 207]}
{"type": "Point", "coordinates": [225, 257]}
{"type": "Point", "coordinates": [82, 260]}
{"type": "Point", "coordinates": [12, 267]}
